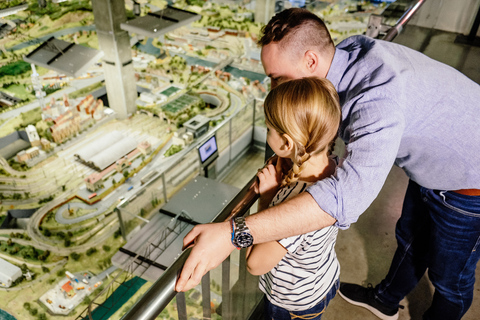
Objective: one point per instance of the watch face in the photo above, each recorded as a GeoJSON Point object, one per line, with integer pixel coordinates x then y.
{"type": "Point", "coordinates": [244, 240]}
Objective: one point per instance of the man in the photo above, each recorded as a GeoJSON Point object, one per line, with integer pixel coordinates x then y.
{"type": "Point", "coordinates": [399, 107]}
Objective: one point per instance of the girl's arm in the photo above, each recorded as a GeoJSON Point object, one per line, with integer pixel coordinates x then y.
{"type": "Point", "coordinates": [261, 258]}
{"type": "Point", "coordinates": [270, 178]}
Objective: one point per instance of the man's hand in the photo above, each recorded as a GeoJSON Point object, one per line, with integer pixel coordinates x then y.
{"type": "Point", "coordinates": [211, 245]}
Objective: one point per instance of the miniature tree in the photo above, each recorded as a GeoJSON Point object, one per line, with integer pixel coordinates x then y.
{"type": "Point", "coordinates": [75, 256]}
{"type": "Point", "coordinates": [91, 251]}
{"type": "Point", "coordinates": [47, 232]}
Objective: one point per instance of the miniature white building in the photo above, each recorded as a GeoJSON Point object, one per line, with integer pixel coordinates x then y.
{"type": "Point", "coordinates": [144, 147]}
{"type": "Point", "coordinates": [8, 273]}
{"type": "Point", "coordinates": [33, 135]}
{"type": "Point", "coordinates": [187, 137]}
{"type": "Point", "coordinates": [177, 140]}
{"type": "Point", "coordinates": [29, 275]}
{"type": "Point", "coordinates": [148, 97]}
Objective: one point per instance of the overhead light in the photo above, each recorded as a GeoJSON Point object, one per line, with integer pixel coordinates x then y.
{"type": "Point", "coordinates": [63, 56]}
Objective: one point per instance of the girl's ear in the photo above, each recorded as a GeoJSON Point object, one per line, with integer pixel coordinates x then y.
{"type": "Point", "coordinates": [288, 144]}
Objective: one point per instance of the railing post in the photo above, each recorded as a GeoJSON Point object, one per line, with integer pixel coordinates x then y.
{"type": "Point", "coordinates": [226, 296]}
{"type": "Point", "coordinates": [230, 141]}
{"type": "Point", "coordinates": [164, 188]}
{"type": "Point", "coordinates": [207, 310]}
{"type": "Point", "coordinates": [181, 306]}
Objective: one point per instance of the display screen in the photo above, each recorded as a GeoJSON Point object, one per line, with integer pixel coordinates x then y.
{"type": "Point", "coordinates": [208, 150]}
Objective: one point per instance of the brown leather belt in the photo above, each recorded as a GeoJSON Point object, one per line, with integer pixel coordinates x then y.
{"type": "Point", "coordinates": [468, 192]}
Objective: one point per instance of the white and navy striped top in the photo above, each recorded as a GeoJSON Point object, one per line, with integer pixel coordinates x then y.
{"type": "Point", "coordinates": [308, 270]}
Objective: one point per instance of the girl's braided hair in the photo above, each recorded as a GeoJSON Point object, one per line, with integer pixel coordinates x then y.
{"type": "Point", "coordinates": [307, 110]}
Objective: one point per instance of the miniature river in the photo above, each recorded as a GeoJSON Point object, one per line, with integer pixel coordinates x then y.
{"type": "Point", "coordinates": [6, 316]}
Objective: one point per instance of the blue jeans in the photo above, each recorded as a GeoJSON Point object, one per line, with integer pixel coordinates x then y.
{"type": "Point", "coordinates": [438, 231]}
{"type": "Point", "coordinates": [273, 312]}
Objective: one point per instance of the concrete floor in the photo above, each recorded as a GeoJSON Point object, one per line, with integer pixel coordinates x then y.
{"type": "Point", "coordinates": [365, 250]}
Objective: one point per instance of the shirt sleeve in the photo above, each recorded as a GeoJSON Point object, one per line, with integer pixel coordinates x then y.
{"type": "Point", "coordinates": [372, 131]}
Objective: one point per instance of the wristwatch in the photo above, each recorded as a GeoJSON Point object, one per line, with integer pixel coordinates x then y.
{"type": "Point", "coordinates": [241, 236]}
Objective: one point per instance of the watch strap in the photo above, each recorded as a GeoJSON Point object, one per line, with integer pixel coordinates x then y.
{"type": "Point", "coordinates": [232, 222]}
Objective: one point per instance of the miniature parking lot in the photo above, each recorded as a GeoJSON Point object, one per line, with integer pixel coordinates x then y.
{"type": "Point", "coordinates": [69, 292]}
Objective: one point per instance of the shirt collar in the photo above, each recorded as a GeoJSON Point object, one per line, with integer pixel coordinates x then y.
{"type": "Point", "coordinates": [338, 66]}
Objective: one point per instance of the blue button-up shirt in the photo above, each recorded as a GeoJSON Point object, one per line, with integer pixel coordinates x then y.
{"type": "Point", "coordinates": [399, 107]}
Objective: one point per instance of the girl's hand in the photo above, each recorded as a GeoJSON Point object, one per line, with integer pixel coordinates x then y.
{"type": "Point", "coordinates": [270, 178]}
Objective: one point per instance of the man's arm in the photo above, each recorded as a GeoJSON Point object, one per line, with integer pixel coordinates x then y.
{"type": "Point", "coordinates": [212, 242]}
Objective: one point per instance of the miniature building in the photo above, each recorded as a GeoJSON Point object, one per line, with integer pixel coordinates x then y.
{"type": "Point", "coordinates": [45, 144]}
{"type": "Point", "coordinates": [187, 137]}
{"type": "Point", "coordinates": [54, 109]}
{"type": "Point", "coordinates": [29, 275]}
{"type": "Point", "coordinates": [198, 125]}
{"type": "Point", "coordinates": [70, 122]}
{"type": "Point", "coordinates": [33, 152]}
{"type": "Point", "coordinates": [144, 147]}
{"type": "Point", "coordinates": [68, 289]}
{"type": "Point", "coordinates": [90, 108]}
{"type": "Point", "coordinates": [32, 135]}
{"type": "Point", "coordinates": [106, 150]}
{"type": "Point", "coordinates": [178, 141]}
{"type": "Point", "coordinates": [22, 156]}
{"type": "Point", "coordinates": [66, 103]}
{"type": "Point", "coordinates": [148, 97]}
{"type": "Point", "coordinates": [93, 182]}
{"type": "Point", "coordinates": [65, 126]}
{"type": "Point", "coordinates": [85, 103]}
{"type": "Point", "coordinates": [8, 273]}
{"type": "Point", "coordinates": [122, 164]}
{"type": "Point", "coordinates": [25, 155]}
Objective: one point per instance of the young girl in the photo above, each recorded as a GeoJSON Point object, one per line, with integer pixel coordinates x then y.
{"type": "Point", "coordinates": [300, 274]}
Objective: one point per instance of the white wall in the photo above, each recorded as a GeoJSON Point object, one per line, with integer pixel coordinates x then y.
{"type": "Point", "coordinates": [448, 15]}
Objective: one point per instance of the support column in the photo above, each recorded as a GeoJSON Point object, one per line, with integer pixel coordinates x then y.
{"type": "Point", "coordinates": [117, 59]}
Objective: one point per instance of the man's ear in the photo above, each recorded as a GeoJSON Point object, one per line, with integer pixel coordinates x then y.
{"type": "Point", "coordinates": [311, 60]}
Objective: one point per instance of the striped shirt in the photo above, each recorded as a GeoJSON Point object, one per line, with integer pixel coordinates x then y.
{"type": "Point", "coordinates": [308, 270]}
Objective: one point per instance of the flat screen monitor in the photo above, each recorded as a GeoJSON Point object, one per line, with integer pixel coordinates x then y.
{"type": "Point", "coordinates": [208, 151]}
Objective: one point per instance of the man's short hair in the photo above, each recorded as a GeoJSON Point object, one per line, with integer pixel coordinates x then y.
{"type": "Point", "coordinates": [297, 28]}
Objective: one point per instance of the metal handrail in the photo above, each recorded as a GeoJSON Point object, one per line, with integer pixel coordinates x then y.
{"type": "Point", "coordinates": [395, 30]}
{"type": "Point", "coordinates": [163, 291]}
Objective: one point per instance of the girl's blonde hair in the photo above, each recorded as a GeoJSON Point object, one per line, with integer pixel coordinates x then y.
{"type": "Point", "coordinates": [308, 110]}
